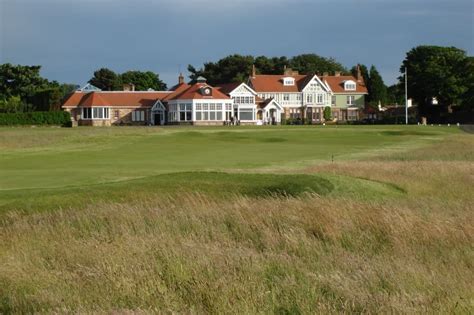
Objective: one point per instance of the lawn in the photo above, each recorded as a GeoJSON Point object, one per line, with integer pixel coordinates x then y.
{"type": "Point", "coordinates": [297, 219]}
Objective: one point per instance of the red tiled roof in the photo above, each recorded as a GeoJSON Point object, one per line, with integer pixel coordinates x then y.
{"type": "Point", "coordinates": [337, 84]}
{"type": "Point", "coordinates": [134, 99]}
{"type": "Point", "coordinates": [226, 88]}
{"type": "Point", "coordinates": [177, 89]}
{"type": "Point", "coordinates": [193, 92]}
{"type": "Point", "coordinates": [274, 83]}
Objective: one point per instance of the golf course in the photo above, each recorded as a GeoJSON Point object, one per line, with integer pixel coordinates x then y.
{"type": "Point", "coordinates": [237, 220]}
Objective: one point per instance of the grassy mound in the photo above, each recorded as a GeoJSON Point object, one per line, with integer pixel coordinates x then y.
{"type": "Point", "coordinates": [213, 184]}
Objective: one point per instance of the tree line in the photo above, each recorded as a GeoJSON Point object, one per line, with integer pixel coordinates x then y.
{"type": "Point", "coordinates": [443, 73]}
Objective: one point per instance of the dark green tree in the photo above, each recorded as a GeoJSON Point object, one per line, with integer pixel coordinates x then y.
{"type": "Point", "coordinates": [143, 80]}
{"type": "Point", "coordinates": [467, 98]}
{"type": "Point", "coordinates": [233, 68]}
{"type": "Point", "coordinates": [395, 94]}
{"type": "Point", "coordinates": [312, 63]}
{"type": "Point", "coordinates": [274, 65]}
{"type": "Point", "coordinates": [18, 80]}
{"type": "Point", "coordinates": [377, 88]}
{"type": "Point", "coordinates": [438, 72]}
{"type": "Point", "coordinates": [106, 79]}
{"type": "Point", "coordinates": [364, 71]}
{"type": "Point", "coordinates": [327, 113]}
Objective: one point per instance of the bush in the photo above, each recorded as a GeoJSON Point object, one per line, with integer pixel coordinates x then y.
{"type": "Point", "coordinates": [327, 113]}
{"type": "Point", "coordinates": [60, 118]}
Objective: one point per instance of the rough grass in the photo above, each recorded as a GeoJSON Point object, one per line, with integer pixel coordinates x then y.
{"type": "Point", "coordinates": [387, 232]}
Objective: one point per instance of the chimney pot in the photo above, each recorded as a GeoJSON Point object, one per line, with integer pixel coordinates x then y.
{"type": "Point", "coordinates": [337, 73]}
{"type": "Point", "coordinates": [180, 79]}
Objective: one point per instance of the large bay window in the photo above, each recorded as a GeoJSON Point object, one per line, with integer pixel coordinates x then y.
{"type": "Point", "coordinates": [95, 113]}
{"type": "Point", "coordinates": [212, 111]}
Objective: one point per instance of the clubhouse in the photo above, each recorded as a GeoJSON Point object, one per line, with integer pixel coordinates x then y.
{"type": "Point", "coordinates": [263, 99]}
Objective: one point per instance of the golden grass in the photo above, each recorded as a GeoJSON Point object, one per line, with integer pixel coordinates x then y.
{"type": "Point", "coordinates": [297, 255]}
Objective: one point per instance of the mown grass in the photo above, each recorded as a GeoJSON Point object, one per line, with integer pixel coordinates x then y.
{"type": "Point", "coordinates": [386, 228]}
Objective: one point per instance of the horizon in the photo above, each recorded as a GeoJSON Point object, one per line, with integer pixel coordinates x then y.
{"type": "Point", "coordinates": [107, 33]}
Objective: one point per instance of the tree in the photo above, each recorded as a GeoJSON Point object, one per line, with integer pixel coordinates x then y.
{"type": "Point", "coordinates": [107, 80]}
{"type": "Point", "coordinates": [327, 113]}
{"type": "Point", "coordinates": [18, 80]}
{"type": "Point", "coordinates": [237, 68]}
{"type": "Point", "coordinates": [13, 104]}
{"type": "Point", "coordinates": [363, 70]}
{"type": "Point", "coordinates": [395, 94]}
{"type": "Point", "coordinates": [143, 80]}
{"type": "Point", "coordinates": [233, 68]}
{"type": "Point", "coordinates": [274, 65]}
{"type": "Point", "coordinates": [467, 98]}
{"type": "Point", "coordinates": [435, 72]}
{"type": "Point", "coordinates": [312, 63]}
{"type": "Point", "coordinates": [377, 88]}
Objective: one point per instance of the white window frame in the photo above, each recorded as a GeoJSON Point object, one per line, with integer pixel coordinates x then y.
{"type": "Point", "coordinates": [350, 99]}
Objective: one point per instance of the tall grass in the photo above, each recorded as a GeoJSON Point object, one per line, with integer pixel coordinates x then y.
{"type": "Point", "coordinates": [246, 255]}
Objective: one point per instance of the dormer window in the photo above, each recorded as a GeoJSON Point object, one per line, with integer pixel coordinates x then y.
{"type": "Point", "coordinates": [349, 85]}
{"type": "Point", "coordinates": [288, 81]}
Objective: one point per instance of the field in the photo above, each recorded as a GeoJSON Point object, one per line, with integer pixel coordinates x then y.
{"type": "Point", "coordinates": [284, 220]}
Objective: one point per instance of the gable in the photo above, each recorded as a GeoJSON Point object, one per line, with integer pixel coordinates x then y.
{"type": "Point", "coordinates": [243, 89]}
{"type": "Point", "coordinates": [316, 85]}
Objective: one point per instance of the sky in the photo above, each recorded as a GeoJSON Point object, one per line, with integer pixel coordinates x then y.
{"type": "Point", "coordinates": [71, 38]}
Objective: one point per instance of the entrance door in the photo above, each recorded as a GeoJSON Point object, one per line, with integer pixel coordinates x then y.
{"type": "Point", "coordinates": [158, 121]}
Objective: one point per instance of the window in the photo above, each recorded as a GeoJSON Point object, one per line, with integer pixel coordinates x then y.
{"type": "Point", "coordinates": [351, 115]}
{"type": "Point", "coordinates": [333, 100]}
{"type": "Point", "coordinates": [320, 98]}
{"type": "Point", "coordinates": [309, 98]}
{"type": "Point", "coordinates": [211, 111]}
{"type": "Point", "coordinates": [95, 113]}
{"type": "Point", "coordinates": [286, 97]}
{"type": "Point", "coordinates": [116, 114]}
{"type": "Point", "coordinates": [138, 115]}
{"type": "Point", "coordinates": [87, 113]}
{"type": "Point", "coordinates": [350, 100]}
{"type": "Point", "coordinates": [185, 112]}
{"type": "Point", "coordinates": [244, 99]}
{"type": "Point", "coordinates": [246, 114]}
{"type": "Point", "coordinates": [298, 97]}
{"type": "Point", "coordinates": [349, 85]}
{"type": "Point", "coordinates": [288, 81]}
{"type": "Point", "coordinates": [295, 113]}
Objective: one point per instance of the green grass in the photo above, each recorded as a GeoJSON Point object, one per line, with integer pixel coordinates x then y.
{"type": "Point", "coordinates": [42, 158]}
{"type": "Point", "coordinates": [274, 220]}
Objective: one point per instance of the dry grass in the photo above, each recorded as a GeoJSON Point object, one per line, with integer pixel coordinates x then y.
{"type": "Point", "coordinates": [298, 255]}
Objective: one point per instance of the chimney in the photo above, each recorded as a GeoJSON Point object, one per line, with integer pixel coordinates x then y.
{"type": "Point", "coordinates": [288, 71]}
{"type": "Point", "coordinates": [129, 87]}
{"type": "Point", "coordinates": [180, 79]}
{"type": "Point", "coordinates": [325, 74]}
{"type": "Point", "coordinates": [337, 73]}
{"type": "Point", "coordinates": [254, 71]}
{"type": "Point", "coordinates": [359, 74]}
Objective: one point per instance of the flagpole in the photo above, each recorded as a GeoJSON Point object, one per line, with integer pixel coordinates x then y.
{"type": "Point", "coordinates": [406, 97]}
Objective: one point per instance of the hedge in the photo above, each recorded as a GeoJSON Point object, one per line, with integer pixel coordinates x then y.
{"type": "Point", "coordinates": [36, 118]}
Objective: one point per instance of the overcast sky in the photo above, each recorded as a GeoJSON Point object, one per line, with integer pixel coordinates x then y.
{"type": "Point", "coordinates": [72, 38]}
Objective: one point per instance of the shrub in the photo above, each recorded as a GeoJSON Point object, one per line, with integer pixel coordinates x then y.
{"type": "Point", "coordinates": [36, 118]}
{"type": "Point", "coordinates": [327, 113]}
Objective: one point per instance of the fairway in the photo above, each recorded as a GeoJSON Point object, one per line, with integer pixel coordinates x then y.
{"type": "Point", "coordinates": [280, 219]}
{"type": "Point", "coordinates": [54, 158]}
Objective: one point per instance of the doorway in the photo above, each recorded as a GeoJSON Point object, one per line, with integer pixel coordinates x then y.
{"type": "Point", "coordinates": [158, 119]}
